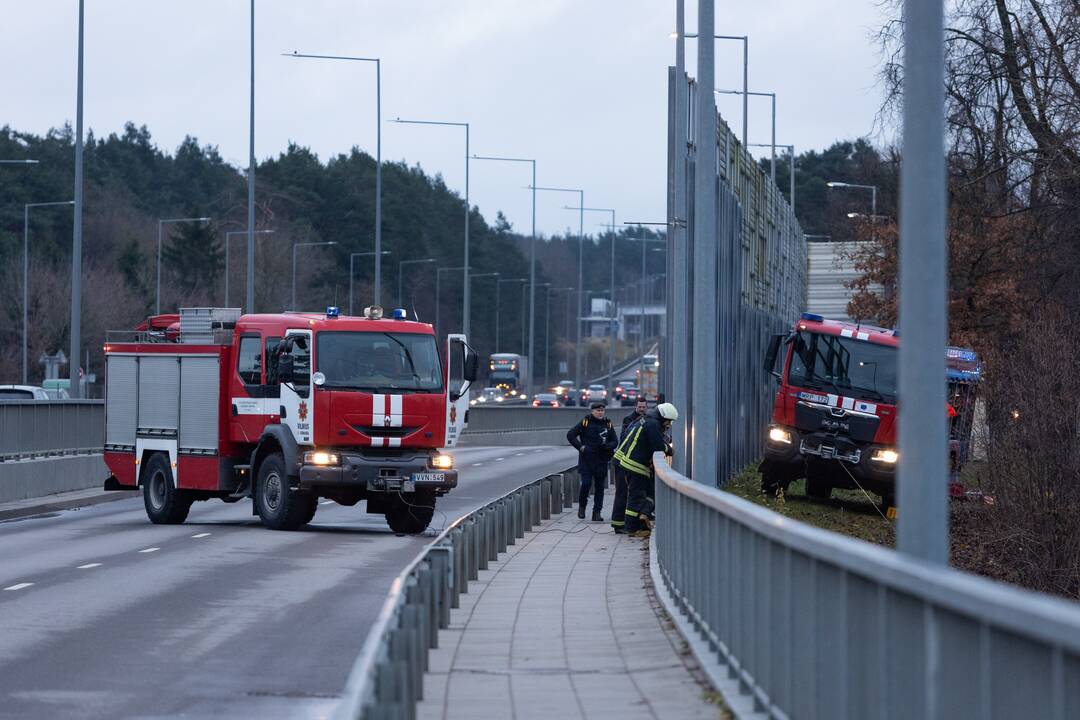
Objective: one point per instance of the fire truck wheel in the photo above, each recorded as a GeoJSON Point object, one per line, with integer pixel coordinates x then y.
{"type": "Point", "coordinates": [279, 506]}
{"type": "Point", "coordinates": [165, 505]}
{"type": "Point", "coordinates": [410, 514]}
{"type": "Point", "coordinates": [309, 511]}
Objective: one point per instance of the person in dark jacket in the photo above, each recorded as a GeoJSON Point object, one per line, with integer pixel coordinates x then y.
{"type": "Point", "coordinates": [595, 440]}
{"type": "Point", "coordinates": [635, 456]}
{"type": "Point", "coordinates": [618, 505]}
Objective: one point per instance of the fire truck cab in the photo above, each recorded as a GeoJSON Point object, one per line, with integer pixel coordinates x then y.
{"type": "Point", "coordinates": [285, 409]}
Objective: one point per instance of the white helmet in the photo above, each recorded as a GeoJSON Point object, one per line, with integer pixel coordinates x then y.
{"type": "Point", "coordinates": [667, 411]}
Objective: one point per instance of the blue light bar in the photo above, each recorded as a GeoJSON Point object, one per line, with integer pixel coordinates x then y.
{"type": "Point", "coordinates": [400, 314]}
{"type": "Point", "coordinates": [812, 317]}
{"type": "Point", "coordinates": [332, 311]}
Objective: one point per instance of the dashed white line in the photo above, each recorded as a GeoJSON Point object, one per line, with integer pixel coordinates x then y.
{"type": "Point", "coordinates": [18, 586]}
{"type": "Point", "coordinates": [87, 566]}
{"type": "Point", "coordinates": [327, 502]}
{"type": "Point", "coordinates": [518, 454]}
{"type": "Point", "coordinates": [477, 464]}
{"type": "Point", "coordinates": [200, 535]}
{"type": "Point", "coordinates": [149, 550]}
{"type": "Point", "coordinates": [499, 459]}
{"type": "Point", "coordinates": [537, 450]}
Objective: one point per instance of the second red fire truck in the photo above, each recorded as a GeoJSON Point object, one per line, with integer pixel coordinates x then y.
{"type": "Point", "coordinates": [284, 409]}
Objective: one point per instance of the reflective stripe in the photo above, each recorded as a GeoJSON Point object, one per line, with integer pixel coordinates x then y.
{"type": "Point", "coordinates": [631, 513]}
{"type": "Point", "coordinates": [617, 522]}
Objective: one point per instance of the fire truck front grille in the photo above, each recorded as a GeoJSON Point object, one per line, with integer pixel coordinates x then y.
{"type": "Point", "coordinates": [380, 431]}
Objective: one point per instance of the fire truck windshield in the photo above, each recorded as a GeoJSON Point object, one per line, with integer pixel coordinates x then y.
{"type": "Point", "coordinates": [379, 362]}
{"type": "Point", "coordinates": [844, 366]}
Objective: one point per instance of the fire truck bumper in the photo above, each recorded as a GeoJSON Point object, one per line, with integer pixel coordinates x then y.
{"type": "Point", "coordinates": [842, 461]}
{"type": "Point", "coordinates": [379, 475]}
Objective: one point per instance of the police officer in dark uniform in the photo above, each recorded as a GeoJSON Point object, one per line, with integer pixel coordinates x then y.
{"type": "Point", "coordinates": [635, 456]}
{"type": "Point", "coordinates": [595, 440]}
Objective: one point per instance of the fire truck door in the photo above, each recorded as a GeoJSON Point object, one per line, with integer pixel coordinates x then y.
{"type": "Point", "coordinates": [460, 371]}
{"type": "Point", "coordinates": [296, 406]}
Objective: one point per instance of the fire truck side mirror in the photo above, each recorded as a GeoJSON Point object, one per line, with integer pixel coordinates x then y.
{"type": "Point", "coordinates": [472, 364]}
{"type": "Point", "coordinates": [771, 353]}
{"type": "Point", "coordinates": [285, 368]}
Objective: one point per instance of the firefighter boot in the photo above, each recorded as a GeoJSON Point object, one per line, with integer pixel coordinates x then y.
{"type": "Point", "coordinates": [581, 511]}
{"type": "Point", "coordinates": [596, 515]}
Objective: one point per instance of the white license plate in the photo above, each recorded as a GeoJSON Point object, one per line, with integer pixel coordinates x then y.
{"type": "Point", "coordinates": [429, 477]}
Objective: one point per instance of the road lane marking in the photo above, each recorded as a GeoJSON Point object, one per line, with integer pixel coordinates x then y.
{"type": "Point", "coordinates": [200, 535]}
{"type": "Point", "coordinates": [537, 450]}
{"type": "Point", "coordinates": [499, 459]}
{"type": "Point", "coordinates": [18, 586]}
{"type": "Point", "coordinates": [518, 454]}
{"type": "Point", "coordinates": [87, 566]}
{"type": "Point", "coordinates": [477, 464]}
{"type": "Point", "coordinates": [149, 550]}
{"type": "Point", "coordinates": [327, 502]}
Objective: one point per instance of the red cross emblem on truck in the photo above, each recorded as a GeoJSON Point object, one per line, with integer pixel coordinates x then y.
{"type": "Point", "coordinates": [453, 413]}
{"type": "Point", "coordinates": [302, 411]}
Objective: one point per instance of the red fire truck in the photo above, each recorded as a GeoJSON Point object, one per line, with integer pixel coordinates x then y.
{"type": "Point", "coordinates": [835, 412]}
{"type": "Point", "coordinates": [285, 409]}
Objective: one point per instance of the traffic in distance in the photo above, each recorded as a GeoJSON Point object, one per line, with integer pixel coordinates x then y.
{"type": "Point", "coordinates": [834, 418]}
{"type": "Point", "coordinates": [284, 409]}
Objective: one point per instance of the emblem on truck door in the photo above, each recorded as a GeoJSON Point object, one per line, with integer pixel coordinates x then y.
{"type": "Point", "coordinates": [453, 413]}
{"type": "Point", "coordinates": [302, 411]}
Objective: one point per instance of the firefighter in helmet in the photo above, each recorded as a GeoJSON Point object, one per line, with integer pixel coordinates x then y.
{"type": "Point", "coordinates": [635, 456]}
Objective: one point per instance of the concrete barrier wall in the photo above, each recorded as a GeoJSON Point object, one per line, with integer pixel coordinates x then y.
{"type": "Point", "coordinates": [22, 479]}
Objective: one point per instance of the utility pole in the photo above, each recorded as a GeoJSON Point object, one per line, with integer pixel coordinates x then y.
{"type": "Point", "coordinates": [74, 376]}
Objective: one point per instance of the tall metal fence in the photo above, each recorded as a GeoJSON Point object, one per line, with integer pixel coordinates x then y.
{"type": "Point", "coordinates": [812, 624]}
{"type": "Point", "coordinates": [761, 258]}
{"type": "Point", "coordinates": [37, 429]}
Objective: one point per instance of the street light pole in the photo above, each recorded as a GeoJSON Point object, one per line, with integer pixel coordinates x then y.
{"type": "Point", "coordinates": [160, 223]}
{"type": "Point", "coordinates": [438, 289]}
{"type": "Point", "coordinates": [378, 157]}
{"type": "Point", "coordinates": [532, 263]}
{"type": "Point", "coordinates": [581, 270]}
{"type": "Point", "coordinates": [791, 173]}
{"type": "Point", "coordinates": [377, 254]}
{"type": "Point", "coordinates": [465, 267]}
{"type": "Point", "coordinates": [228, 237]}
{"type": "Point", "coordinates": [75, 386]}
{"type": "Point", "coordinates": [294, 247]}
{"type": "Point", "coordinates": [772, 95]}
{"type": "Point", "coordinates": [400, 274]}
{"type": "Point", "coordinates": [249, 305]}
{"type": "Point", "coordinates": [871, 188]}
{"type": "Point", "coordinates": [498, 284]}
{"type": "Point", "coordinates": [26, 274]}
{"type": "Point", "coordinates": [611, 304]}
{"type": "Point", "coordinates": [745, 73]}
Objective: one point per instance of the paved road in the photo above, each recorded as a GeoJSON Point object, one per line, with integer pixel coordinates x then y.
{"type": "Point", "coordinates": [104, 615]}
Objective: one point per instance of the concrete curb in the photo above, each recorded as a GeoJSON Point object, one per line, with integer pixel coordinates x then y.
{"type": "Point", "coordinates": [739, 703]}
{"type": "Point", "coordinates": [63, 501]}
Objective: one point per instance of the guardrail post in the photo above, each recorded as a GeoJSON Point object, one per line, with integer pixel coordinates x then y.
{"type": "Point", "coordinates": [556, 494]}
{"type": "Point", "coordinates": [457, 563]}
{"type": "Point", "coordinates": [504, 534]}
{"type": "Point", "coordinates": [482, 521]}
{"type": "Point", "coordinates": [519, 514]}
{"type": "Point", "coordinates": [535, 488]}
{"type": "Point", "coordinates": [568, 490]}
{"type": "Point", "coordinates": [544, 497]}
{"type": "Point", "coordinates": [471, 546]}
{"type": "Point", "coordinates": [442, 586]}
{"type": "Point", "coordinates": [492, 532]}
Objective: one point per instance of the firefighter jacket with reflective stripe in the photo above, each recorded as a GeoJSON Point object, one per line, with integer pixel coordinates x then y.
{"type": "Point", "coordinates": [595, 439]}
{"type": "Point", "coordinates": [628, 421]}
{"type": "Point", "coordinates": [636, 449]}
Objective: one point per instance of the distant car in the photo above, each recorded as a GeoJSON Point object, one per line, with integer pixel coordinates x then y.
{"type": "Point", "coordinates": [488, 396]}
{"type": "Point", "coordinates": [629, 396]}
{"type": "Point", "coordinates": [546, 400]}
{"type": "Point", "coordinates": [622, 387]}
{"type": "Point", "coordinates": [595, 393]}
{"type": "Point", "coordinates": [22, 392]}
{"type": "Point", "coordinates": [565, 391]}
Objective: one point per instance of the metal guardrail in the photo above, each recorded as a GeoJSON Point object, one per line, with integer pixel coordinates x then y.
{"type": "Point", "coordinates": [34, 429]}
{"type": "Point", "coordinates": [386, 680]}
{"type": "Point", "coordinates": [816, 625]}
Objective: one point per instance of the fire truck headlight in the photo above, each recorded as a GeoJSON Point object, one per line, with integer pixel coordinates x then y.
{"type": "Point", "coordinates": [442, 462]}
{"type": "Point", "coordinates": [779, 435]}
{"type": "Point", "coordinates": [320, 457]}
{"type": "Point", "coordinates": [888, 457]}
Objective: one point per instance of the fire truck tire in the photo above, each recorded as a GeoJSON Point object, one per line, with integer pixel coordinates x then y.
{"type": "Point", "coordinates": [309, 513]}
{"type": "Point", "coordinates": [279, 506]}
{"type": "Point", "coordinates": [411, 515]}
{"type": "Point", "coordinates": [165, 505]}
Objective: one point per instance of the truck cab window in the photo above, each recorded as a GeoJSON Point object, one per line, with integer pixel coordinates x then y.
{"type": "Point", "coordinates": [301, 354]}
{"type": "Point", "coordinates": [271, 360]}
{"type": "Point", "coordinates": [249, 361]}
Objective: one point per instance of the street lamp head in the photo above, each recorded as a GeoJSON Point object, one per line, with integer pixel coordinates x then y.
{"type": "Point", "coordinates": [835, 184]}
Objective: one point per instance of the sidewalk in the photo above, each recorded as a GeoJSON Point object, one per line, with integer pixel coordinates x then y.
{"type": "Point", "coordinates": [61, 501]}
{"type": "Point", "coordinates": [564, 625]}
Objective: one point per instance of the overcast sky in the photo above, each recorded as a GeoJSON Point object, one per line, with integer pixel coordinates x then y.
{"type": "Point", "coordinates": [580, 85]}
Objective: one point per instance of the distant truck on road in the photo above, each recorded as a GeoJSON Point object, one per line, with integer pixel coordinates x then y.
{"type": "Point", "coordinates": [509, 372]}
{"type": "Point", "coordinates": [284, 409]}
